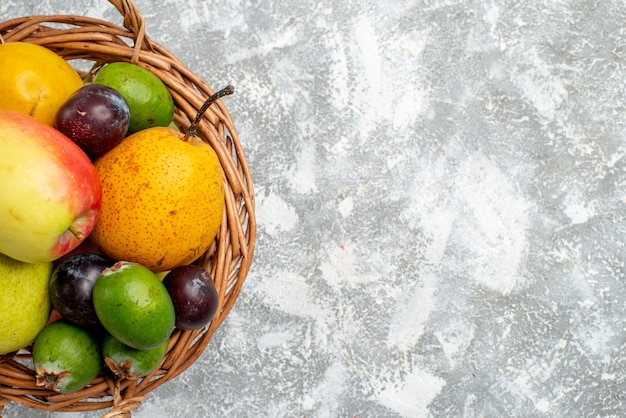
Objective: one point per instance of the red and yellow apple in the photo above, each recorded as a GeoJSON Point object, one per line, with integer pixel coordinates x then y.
{"type": "Point", "coordinates": [50, 196]}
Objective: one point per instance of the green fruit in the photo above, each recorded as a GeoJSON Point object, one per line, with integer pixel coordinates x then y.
{"type": "Point", "coordinates": [129, 363]}
{"type": "Point", "coordinates": [149, 101]}
{"type": "Point", "coordinates": [24, 302]}
{"type": "Point", "coordinates": [133, 305]}
{"type": "Point", "coordinates": [66, 357]}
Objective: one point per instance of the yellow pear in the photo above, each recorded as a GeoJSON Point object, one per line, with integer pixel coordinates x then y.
{"type": "Point", "coordinates": [162, 199]}
{"type": "Point", "coordinates": [34, 80]}
{"type": "Point", "coordinates": [24, 302]}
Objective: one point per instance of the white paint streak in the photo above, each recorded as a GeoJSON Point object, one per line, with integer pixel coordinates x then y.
{"type": "Point", "coordinates": [301, 175]}
{"type": "Point", "coordinates": [539, 85]}
{"type": "Point", "coordinates": [413, 310]}
{"type": "Point", "coordinates": [577, 209]}
{"type": "Point", "coordinates": [381, 84]}
{"type": "Point", "coordinates": [578, 213]}
{"type": "Point", "coordinates": [189, 18]}
{"type": "Point", "coordinates": [494, 224]}
{"type": "Point", "coordinates": [473, 208]}
{"type": "Point", "coordinates": [455, 338]}
{"type": "Point", "coordinates": [522, 387]}
{"type": "Point", "coordinates": [289, 293]}
{"type": "Point", "coordinates": [438, 226]}
{"type": "Point", "coordinates": [274, 214]}
{"type": "Point", "coordinates": [274, 339]}
{"type": "Point", "coordinates": [341, 266]}
{"type": "Point", "coordinates": [326, 394]}
{"type": "Point", "coordinates": [346, 206]}
{"type": "Point", "coordinates": [410, 395]}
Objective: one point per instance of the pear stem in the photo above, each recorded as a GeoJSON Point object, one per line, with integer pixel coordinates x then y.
{"type": "Point", "coordinates": [226, 91]}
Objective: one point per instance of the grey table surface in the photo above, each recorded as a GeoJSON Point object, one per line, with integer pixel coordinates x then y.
{"type": "Point", "coordinates": [440, 199]}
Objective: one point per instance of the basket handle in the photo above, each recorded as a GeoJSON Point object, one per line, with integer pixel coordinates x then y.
{"type": "Point", "coordinates": [133, 21]}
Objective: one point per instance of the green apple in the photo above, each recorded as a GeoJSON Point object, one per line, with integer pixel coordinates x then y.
{"type": "Point", "coordinates": [24, 302]}
{"type": "Point", "coordinates": [50, 196]}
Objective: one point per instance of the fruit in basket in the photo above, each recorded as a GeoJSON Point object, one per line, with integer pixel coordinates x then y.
{"type": "Point", "coordinates": [50, 195]}
{"type": "Point", "coordinates": [163, 197]}
{"type": "Point", "coordinates": [95, 117]}
{"type": "Point", "coordinates": [71, 285]}
{"type": "Point", "coordinates": [194, 296]}
{"type": "Point", "coordinates": [133, 305]}
{"type": "Point", "coordinates": [149, 100]}
{"type": "Point", "coordinates": [24, 302]}
{"type": "Point", "coordinates": [34, 80]}
{"type": "Point", "coordinates": [66, 357]}
{"type": "Point", "coordinates": [128, 363]}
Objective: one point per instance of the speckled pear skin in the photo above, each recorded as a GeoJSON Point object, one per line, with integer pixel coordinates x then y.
{"type": "Point", "coordinates": [162, 199]}
{"type": "Point", "coordinates": [24, 302]}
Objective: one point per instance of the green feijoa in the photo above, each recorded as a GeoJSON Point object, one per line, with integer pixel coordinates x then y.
{"type": "Point", "coordinates": [66, 357]}
{"type": "Point", "coordinates": [128, 363]}
{"type": "Point", "coordinates": [133, 305]}
{"type": "Point", "coordinates": [149, 101]}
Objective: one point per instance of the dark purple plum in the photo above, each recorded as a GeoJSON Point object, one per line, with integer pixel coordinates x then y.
{"type": "Point", "coordinates": [71, 285]}
{"type": "Point", "coordinates": [194, 296]}
{"type": "Point", "coordinates": [96, 118]}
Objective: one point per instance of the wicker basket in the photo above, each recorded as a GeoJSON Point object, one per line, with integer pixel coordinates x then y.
{"type": "Point", "coordinates": [228, 260]}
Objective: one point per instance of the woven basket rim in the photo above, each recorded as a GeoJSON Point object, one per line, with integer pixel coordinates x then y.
{"type": "Point", "coordinates": [228, 260]}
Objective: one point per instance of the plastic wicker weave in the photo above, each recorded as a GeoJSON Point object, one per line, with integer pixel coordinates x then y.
{"type": "Point", "coordinates": [228, 260]}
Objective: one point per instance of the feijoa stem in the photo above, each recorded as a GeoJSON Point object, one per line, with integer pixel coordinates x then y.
{"type": "Point", "coordinates": [122, 370]}
{"type": "Point", "coordinates": [226, 91]}
{"type": "Point", "coordinates": [49, 380]}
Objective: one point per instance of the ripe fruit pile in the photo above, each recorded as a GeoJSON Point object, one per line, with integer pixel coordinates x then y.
{"type": "Point", "coordinates": [104, 207]}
